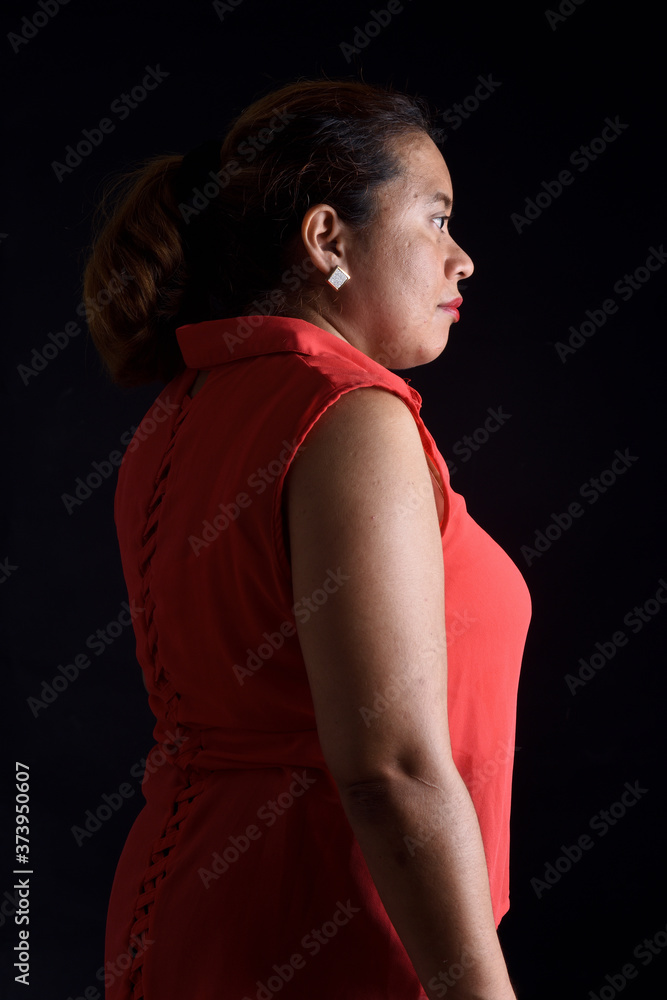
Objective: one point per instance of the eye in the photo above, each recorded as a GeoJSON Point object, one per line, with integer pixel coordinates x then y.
{"type": "Point", "coordinates": [444, 219]}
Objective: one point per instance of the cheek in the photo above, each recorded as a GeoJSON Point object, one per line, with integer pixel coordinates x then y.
{"type": "Point", "coordinates": [403, 274]}
{"type": "Point", "coordinates": [422, 280]}
{"type": "Point", "coordinates": [421, 261]}
{"type": "Point", "coordinates": [406, 263]}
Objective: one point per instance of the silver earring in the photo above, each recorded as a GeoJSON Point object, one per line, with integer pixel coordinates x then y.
{"type": "Point", "coordinates": [337, 277]}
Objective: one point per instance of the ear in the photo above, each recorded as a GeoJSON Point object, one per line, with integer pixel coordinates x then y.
{"type": "Point", "coordinates": [326, 238]}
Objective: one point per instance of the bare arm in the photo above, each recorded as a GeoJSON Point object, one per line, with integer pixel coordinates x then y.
{"type": "Point", "coordinates": [383, 633]}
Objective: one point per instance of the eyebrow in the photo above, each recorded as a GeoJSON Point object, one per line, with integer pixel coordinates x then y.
{"type": "Point", "coordinates": [441, 196]}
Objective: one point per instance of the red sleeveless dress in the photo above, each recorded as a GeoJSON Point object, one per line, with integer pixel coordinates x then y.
{"type": "Point", "coordinates": [241, 878]}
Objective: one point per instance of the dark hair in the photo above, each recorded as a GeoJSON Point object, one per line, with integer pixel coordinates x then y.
{"type": "Point", "coordinates": [308, 142]}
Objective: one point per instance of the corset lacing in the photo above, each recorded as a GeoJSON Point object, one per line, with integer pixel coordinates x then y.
{"type": "Point", "coordinates": [190, 743]}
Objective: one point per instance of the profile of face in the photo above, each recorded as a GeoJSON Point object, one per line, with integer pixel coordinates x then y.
{"type": "Point", "coordinates": [402, 296]}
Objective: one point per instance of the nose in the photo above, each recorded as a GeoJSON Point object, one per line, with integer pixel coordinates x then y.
{"type": "Point", "coordinates": [458, 264]}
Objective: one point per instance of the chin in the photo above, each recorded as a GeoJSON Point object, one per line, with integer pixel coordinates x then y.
{"type": "Point", "coordinates": [414, 361]}
{"type": "Point", "coordinates": [425, 355]}
{"type": "Point", "coordinates": [413, 354]}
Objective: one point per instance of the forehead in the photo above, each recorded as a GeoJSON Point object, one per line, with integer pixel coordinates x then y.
{"type": "Point", "coordinates": [424, 177]}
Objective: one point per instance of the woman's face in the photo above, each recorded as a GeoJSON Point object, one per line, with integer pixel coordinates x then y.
{"type": "Point", "coordinates": [407, 268]}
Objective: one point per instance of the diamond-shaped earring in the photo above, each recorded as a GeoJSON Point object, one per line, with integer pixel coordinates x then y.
{"type": "Point", "coordinates": [337, 277]}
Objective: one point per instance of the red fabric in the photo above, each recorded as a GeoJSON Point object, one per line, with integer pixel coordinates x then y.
{"type": "Point", "coordinates": [241, 877]}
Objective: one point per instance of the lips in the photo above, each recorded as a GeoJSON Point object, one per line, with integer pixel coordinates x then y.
{"type": "Point", "coordinates": [452, 307]}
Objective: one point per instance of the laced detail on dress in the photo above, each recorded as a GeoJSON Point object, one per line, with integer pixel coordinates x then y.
{"type": "Point", "coordinates": [190, 744]}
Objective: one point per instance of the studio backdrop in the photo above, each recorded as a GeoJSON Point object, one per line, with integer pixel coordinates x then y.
{"type": "Point", "coordinates": [548, 405]}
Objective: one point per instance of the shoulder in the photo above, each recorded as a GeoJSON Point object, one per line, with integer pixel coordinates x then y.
{"type": "Point", "coordinates": [372, 411]}
{"type": "Point", "coordinates": [368, 439]}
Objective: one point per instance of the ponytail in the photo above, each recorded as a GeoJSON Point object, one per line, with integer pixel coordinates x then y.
{"type": "Point", "coordinates": [134, 280]}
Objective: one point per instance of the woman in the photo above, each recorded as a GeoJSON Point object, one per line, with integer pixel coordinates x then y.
{"type": "Point", "coordinates": [330, 644]}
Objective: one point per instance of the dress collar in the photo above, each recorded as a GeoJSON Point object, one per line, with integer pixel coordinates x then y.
{"type": "Point", "coordinates": [219, 341]}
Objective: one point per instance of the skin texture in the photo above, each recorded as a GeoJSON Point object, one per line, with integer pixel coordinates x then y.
{"type": "Point", "coordinates": [344, 499]}
{"type": "Point", "coordinates": [398, 278]}
{"type": "Point", "coordinates": [389, 307]}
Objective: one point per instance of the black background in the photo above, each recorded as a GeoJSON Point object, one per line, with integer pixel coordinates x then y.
{"type": "Point", "coordinates": [555, 84]}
